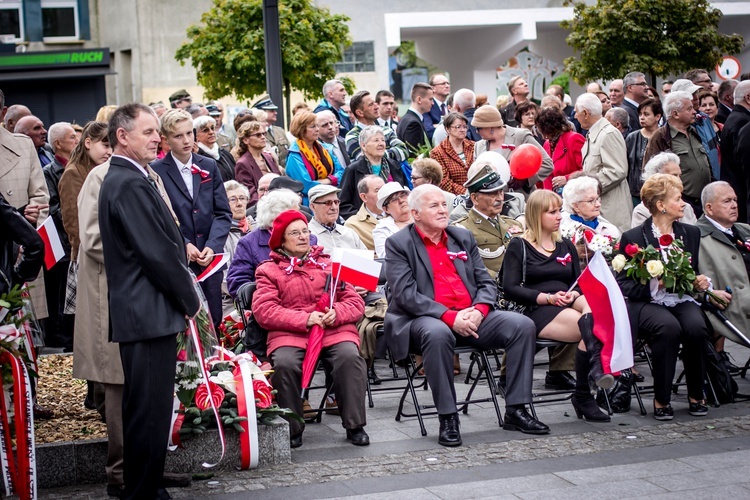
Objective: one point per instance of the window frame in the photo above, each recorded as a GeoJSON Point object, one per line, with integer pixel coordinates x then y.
{"type": "Point", "coordinates": [15, 5]}
{"type": "Point", "coordinates": [367, 48]}
{"type": "Point", "coordinates": [62, 4]}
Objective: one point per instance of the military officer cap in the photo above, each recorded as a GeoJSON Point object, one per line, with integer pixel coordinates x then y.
{"type": "Point", "coordinates": [265, 103]}
{"type": "Point", "coordinates": [486, 180]}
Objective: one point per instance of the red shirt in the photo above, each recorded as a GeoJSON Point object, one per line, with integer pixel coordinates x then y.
{"type": "Point", "coordinates": [450, 290]}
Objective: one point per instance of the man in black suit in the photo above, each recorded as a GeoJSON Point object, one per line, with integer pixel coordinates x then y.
{"type": "Point", "coordinates": [635, 86]}
{"type": "Point", "coordinates": [445, 297]}
{"type": "Point", "coordinates": [442, 89]}
{"type": "Point", "coordinates": [726, 100]}
{"type": "Point", "coordinates": [732, 169]}
{"type": "Point", "coordinates": [411, 128]}
{"type": "Point", "coordinates": [151, 294]}
{"type": "Point", "coordinates": [195, 188]}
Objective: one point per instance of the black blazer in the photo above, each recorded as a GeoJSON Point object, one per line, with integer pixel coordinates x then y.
{"type": "Point", "coordinates": [205, 218]}
{"type": "Point", "coordinates": [15, 230]}
{"type": "Point", "coordinates": [411, 131]}
{"type": "Point", "coordinates": [350, 200]}
{"type": "Point", "coordinates": [632, 110]}
{"type": "Point", "coordinates": [150, 288]}
{"type": "Point", "coordinates": [409, 273]}
{"type": "Point", "coordinates": [723, 113]}
{"type": "Point", "coordinates": [639, 295]}
{"type": "Point", "coordinates": [225, 163]}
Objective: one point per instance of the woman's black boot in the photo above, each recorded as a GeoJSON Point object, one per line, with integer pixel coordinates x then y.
{"type": "Point", "coordinates": [596, 375]}
{"type": "Point", "coordinates": [583, 402]}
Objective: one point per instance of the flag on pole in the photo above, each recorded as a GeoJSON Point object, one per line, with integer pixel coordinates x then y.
{"type": "Point", "coordinates": [611, 322]}
{"type": "Point", "coordinates": [216, 264]}
{"type": "Point", "coordinates": [53, 249]}
{"type": "Point", "coordinates": [356, 267]}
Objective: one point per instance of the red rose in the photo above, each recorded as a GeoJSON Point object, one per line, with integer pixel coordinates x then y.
{"type": "Point", "coordinates": [182, 355]}
{"type": "Point", "coordinates": [631, 249]}
{"type": "Point", "coordinates": [263, 396]}
{"type": "Point", "coordinates": [203, 399]}
{"type": "Point", "coordinates": [665, 240]}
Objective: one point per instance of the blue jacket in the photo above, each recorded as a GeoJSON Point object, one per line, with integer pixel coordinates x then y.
{"type": "Point", "coordinates": [295, 168]}
{"type": "Point", "coordinates": [710, 141]}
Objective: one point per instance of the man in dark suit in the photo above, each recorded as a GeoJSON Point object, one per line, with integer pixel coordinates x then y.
{"type": "Point", "coordinates": [732, 169]}
{"type": "Point", "coordinates": [726, 100]}
{"type": "Point", "coordinates": [411, 126]}
{"type": "Point", "coordinates": [445, 298]}
{"type": "Point", "coordinates": [634, 84]}
{"type": "Point", "coordinates": [199, 200]}
{"type": "Point", "coordinates": [441, 88]}
{"type": "Point", "coordinates": [151, 294]}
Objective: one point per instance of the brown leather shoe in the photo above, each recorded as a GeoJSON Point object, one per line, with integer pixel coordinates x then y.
{"type": "Point", "coordinates": [42, 413]}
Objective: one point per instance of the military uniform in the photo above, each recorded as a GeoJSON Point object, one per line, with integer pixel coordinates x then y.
{"type": "Point", "coordinates": [491, 240]}
{"type": "Point", "coordinates": [276, 137]}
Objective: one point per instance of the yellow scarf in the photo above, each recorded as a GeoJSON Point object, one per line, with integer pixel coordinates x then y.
{"type": "Point", "coordinates": [314, 159]}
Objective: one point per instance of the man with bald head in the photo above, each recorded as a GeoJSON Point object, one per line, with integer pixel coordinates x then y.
{"type": "Point", "coordinates": [13, 114]}
{"type": "Point", "coordinates": [328, 126]}
{"type": "Point", "coordinates": [34, 128]}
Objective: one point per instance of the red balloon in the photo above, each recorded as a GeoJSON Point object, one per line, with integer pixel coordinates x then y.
{"type": "Point", "coordinates": [525, 161]}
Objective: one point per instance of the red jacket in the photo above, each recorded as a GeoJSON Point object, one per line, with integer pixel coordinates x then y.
{"type": "Point", "coordinates": [282, 303]}
{"type": "Point", "coordinates": [567, 158]}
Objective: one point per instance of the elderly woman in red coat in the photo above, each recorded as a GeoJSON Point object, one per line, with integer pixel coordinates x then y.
{"type": "Point", "coordinates": [288, 289]}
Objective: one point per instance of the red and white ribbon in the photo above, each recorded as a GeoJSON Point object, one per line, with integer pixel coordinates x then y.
{"type": "Point", "coordinates": [565, 260]}
{"type": "Point", "coordinates": [194, 169]}
{"type": "Point", "coordinates": [458, 255]}
{"type": "Point", "coordinates": [176, 424]}
{"type": "Point", "coordinates": [19, 471]}
{"type": "Point", "coordinates": [243, 380]}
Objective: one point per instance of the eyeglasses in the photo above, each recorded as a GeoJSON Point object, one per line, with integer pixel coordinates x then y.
{"type": "Point", "coordinates": [297, 234]}
{"type": "Point", "coordinates": [208, 129]}
{"type": "Point", "coordinates": [328, 203]}
{"type": "Point", "coordinates": [257, 134]}
{"type": "Point", "coordinates": [593, 201]}
{"type": "Point", "coordinates": [442, 83]}
{"type": "Point", "coordinates": [235, 199]}
{"type": "Point", "coordinates": [460, 127]}
{"type": "Point", "coordinates": [416, 177]}
{"type": "Point", "coordinates": [642, 84]}
{"type": "Point", "coordinates": [262, 189]}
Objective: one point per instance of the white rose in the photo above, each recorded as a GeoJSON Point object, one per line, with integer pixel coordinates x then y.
{"type": "Point", "coordinates": [655, 268]}
{"type": "Point", "coordinates": [618, 263]}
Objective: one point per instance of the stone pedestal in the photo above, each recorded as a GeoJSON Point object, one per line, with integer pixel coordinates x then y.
{"type": "Point", "coordinates": [82, 462]}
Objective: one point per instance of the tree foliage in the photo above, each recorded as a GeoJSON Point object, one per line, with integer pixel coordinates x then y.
{"type": "Point", "coordinates": [227, 49]}
{"type": "Point", "coordinates": [657, 37]}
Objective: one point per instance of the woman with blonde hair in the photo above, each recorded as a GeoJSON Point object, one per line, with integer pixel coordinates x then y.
{"type": "Point", "coordinates": [254, 162]}
{"type": "Point", "coordinates": [539, 271]}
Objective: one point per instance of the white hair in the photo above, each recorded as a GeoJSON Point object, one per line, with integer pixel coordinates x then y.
{"type": "Point", "coordinates": [234, 185]}
{"type": "Point", "coordinates": [326, 113]}
{"type": "Point", "coordinates": [328, 86]}
{"type": "Point", "coordinates": [591, 103]}
{"type": "Point", "coordinates": [272, 204]}
{"type": "Point", "coordinates": [575, 189]}
{"type": "Point", "coordinates": [630, 79]}
{"type": "Point", "coordinates": [465, 99]}
{"type": "Point", "coordinates": [708, 195]}
{"type": "Point", "coordinates": [56, 132]}
{"type": "Point", "coordinates": [415, 197]}
{"type": "Point", "coordinates": [368, 133]}
{"type": "Point", "coordinates": [657, 163]}
{"type": "Point", "coordinates": [202, 121]}
{"type": "Point", "coordinates": [675, 101]}
{"type": "Point", "coordinates": [740, 91]}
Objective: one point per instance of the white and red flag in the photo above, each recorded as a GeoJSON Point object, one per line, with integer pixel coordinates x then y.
{"type": "Point", "coordinates": [356, 267]}
{"type": "Point", "coordinates": [53, 249]}
{"type": "Point", "coordinates": [611, 322]}
{"type": "Point", "coordinates": [217, 263]}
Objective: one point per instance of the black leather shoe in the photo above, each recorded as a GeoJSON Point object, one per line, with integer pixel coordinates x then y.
{"type": "Point", "coordinates": [666, 413]}
{"type": "Point", "coordinates": [374, 379]}
{"type": "Point", "coordinates": [698, 409]}
{"type": "Point", "coordinates": [358, 436]}
{"type": "Point", "coordinates": [450, 434]}
{"type": "Point", "coordinates": [559, 381]}
{"type": "Point", "coordinates": [115, 490]}
{"type": "Point", "coordinates": [295, 441]}
{"type": "Point", "coordinates": [520, 420]}
{"type": "Point", "coordinates": [733, 369]}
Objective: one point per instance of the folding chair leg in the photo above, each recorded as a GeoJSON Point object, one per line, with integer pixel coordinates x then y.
{"type": "Point", "coordinates": [370, 403]}
{"type": "Point", "coordinates": [638, 397]}
{"type": "Point", "coordinates": [410, 389]}
{"type": "Point", "coordinates": [609, 406]}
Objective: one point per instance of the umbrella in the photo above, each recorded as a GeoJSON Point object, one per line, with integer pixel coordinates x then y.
{"type": "Point", "coordinates": [315, 340]}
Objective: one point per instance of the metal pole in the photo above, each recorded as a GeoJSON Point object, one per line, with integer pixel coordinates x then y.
{"type": "Point", "coordinates": [273, 56]}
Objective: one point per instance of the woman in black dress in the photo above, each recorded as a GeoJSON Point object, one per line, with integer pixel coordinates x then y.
{"type": "Point", "coordinates": [551, 268]}
{"type": "Point", "coordinates": [664, 319]}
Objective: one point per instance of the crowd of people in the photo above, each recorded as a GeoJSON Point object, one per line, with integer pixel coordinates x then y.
{"type": "Point", "coordinates": [143, 198]}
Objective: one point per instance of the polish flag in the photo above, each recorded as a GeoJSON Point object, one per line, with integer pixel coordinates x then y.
{"type": "Point", "coordinates": [53, 249]}
{"type": "Point", "coordinates": [216, 264]}
{"type": "Point", "coordinates": [356, 267]}
{"type": "Point", "coordinates": [611, 322]}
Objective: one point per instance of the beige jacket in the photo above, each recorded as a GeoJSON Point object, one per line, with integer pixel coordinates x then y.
{"type": "Point", "coordinates": [363, 223]}
{"type": "Point", "coordinates": [22, 183]}
{"type": "Point", "coordinates": [605, 157]}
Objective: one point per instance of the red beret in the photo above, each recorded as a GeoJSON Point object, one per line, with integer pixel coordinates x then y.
{"type": "Point", "coordinates": [279, 226]}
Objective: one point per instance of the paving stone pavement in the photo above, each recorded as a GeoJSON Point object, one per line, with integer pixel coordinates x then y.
{"type": "Point", "coordinates": [400, 463]}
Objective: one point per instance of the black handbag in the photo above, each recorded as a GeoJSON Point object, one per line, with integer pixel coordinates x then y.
{"type": "Point", "coordinates": [619, 394]}
{"type": "Point", "coordinates": [504, 304]}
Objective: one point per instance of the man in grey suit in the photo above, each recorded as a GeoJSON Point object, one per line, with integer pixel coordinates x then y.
{"type": "Point", "coordinates": [151, 294]}
{"type": "Point", "coordinates": [445, 298]}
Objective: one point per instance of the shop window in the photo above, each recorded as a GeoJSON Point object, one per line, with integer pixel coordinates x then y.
{"type": "Point", "coordinates": [11, 19]}
{"type": "Point", "coordinates": [358, 58]}
{"type": "Point", "coordinates": [60, 20]}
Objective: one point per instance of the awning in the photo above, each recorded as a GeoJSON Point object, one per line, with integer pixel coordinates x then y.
{"type": "Point", "coordinates": [51, 74]}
